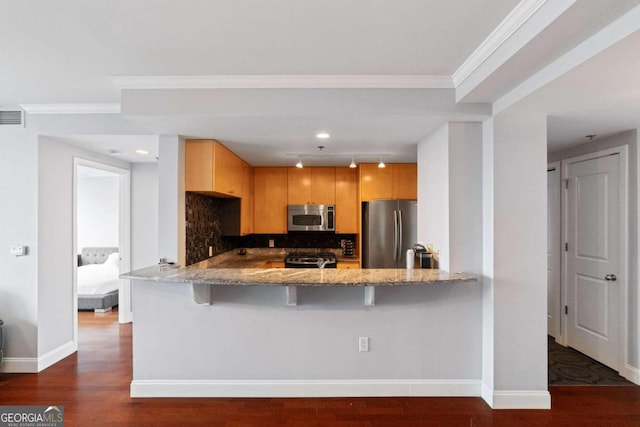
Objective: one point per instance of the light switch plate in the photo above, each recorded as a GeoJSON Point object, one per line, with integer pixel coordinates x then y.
{"type": "Point", "coordinates": [18, 250]}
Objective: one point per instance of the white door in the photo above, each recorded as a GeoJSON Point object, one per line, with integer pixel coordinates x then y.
{"type": "Point", "coordinates": [593, 258]}
{"type": "Point", "coordinates": [554, 242]}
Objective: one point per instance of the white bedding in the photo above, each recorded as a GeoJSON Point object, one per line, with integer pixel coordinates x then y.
{"type": "Point", "coordinates": [98, 279]}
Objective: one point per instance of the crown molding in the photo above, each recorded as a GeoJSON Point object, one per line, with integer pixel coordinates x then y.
{"type": "Point", "coordinates": [284, 82]}
{"type": "Point", "coordinates": [518, 16]}
{"type": "Point", "coordinates": [71, 108]}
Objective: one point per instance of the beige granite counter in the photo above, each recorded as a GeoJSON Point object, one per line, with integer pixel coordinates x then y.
{"type": "Point", "coordinates": [231, 268]}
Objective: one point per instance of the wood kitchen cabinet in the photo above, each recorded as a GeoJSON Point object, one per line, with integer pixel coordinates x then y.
{"type": "Point", "coordinates": [270, 200]}
{"type": "Point", "coordinates": [395, 181]}
{"type": "Point", "coordinates": [247, 205]}
{"type": "Point", "coordinates": [346, 200]}
{"type": "Point", "coordinates": [211, 168]}
{"type": "Point", "coordinates": [405, 181]}
{"type": "Point", "coordinates": [316, 186]}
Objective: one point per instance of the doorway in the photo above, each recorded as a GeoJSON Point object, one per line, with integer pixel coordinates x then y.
{"type": "Point", "coordinates": [594, 220]}
{"type": "Point", "coordinates": [107, 227]}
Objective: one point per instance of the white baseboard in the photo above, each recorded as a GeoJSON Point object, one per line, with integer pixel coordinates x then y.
{"type": "Point", "coordinates": [632, 374]}
{"type": "Point", "coordinates": [301, 388]}
{"type": "Point", "coordinates": [30, 365]}
{"type": "Point", "coordinates": [486, 393]}
{"type": "Point", "coordinates": [56, 355]}
{"type": "Point", "coordinates": [19, 365]}
{"type": "Point", "coordinates": [521, 399]}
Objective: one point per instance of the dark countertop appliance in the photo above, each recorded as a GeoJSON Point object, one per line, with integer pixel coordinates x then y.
{"type": "Point", "coordinates": [310, 260]}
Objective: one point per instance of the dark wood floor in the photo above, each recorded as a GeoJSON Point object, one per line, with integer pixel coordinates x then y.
{"type": "Point", "coordinates": [93, 387]}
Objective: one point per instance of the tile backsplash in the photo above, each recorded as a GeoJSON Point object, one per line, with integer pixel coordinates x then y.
{"type": "Point", "coordinates": [202, 215]}
{"type": "Point", "coordinates": [203, 229]}
{"type": "Point", "coordinates": [306, 239]}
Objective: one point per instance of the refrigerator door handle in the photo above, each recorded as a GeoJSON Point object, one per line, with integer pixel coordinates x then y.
{"type": "Point", "coordinates": [400, 231]}
{"type": "Point", "coordinates": [395, 235]}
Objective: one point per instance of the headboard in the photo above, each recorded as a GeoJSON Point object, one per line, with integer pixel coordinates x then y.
{"type": "Point", "coordinates": [94, 255]}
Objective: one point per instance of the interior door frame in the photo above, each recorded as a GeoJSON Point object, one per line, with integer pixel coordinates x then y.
{"type": "Point", "coordinates": [623, 277]}
{"type": "Point", "coordinates": [556, 219]}
{"type": "Point", "coordinates": [125, 314]}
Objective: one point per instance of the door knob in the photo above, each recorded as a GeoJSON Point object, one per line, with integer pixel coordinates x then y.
{"type": "Point", "coordinates": [611, 277]}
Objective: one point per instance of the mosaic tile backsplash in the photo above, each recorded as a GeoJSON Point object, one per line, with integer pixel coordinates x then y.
{"type": "Point", "coordinates": [203, 229]}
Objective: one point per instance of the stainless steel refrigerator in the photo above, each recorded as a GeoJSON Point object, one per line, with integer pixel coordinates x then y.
{"type": "Point", "coordinates": [389, 228]}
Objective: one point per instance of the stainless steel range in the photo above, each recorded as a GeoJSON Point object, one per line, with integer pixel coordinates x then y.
{"type": "Point", "coordinates": [310, 260]}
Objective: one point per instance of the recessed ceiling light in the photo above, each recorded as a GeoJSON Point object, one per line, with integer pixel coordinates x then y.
{"type": "Point", "coordinates": [141, 151]}
{"type": "Point", "coordinates": [323, 135]}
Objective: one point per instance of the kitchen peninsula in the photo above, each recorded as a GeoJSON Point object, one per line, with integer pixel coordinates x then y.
{"type": "Point", "coordinates": [323, 342]}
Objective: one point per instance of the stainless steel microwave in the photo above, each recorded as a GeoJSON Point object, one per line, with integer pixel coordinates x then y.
{"type": "Point", "coordinates": [311, 217]}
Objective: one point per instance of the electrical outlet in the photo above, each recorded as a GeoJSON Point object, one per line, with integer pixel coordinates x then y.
{"type": "Point", "coordinates": [363, 344]}
{"type": "Point", "coordinates": [272, 243]}
{"type": "Point", "coordinates": [210, 250]}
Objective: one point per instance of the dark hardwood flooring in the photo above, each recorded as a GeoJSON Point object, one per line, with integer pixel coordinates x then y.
{"type": "Point", "coordinates": [93, 387]}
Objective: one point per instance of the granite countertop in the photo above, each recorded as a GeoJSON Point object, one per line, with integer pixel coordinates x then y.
{"type": "Point", "coordinates": [297, 276]}
{"type": "Point", "coordinates": [233, 269]}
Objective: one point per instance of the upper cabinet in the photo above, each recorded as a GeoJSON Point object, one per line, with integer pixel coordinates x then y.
{"type": "Point", "coordinates": [315, 186]}
{"type": "Point", "coordinates": [395, 181]}
{"type": "Point", "coordinates": [270, 200]}
{"type": "Point", "coordinates": [247, 205]}
{"type": "Point", "coordinates": [405, 180]}
{"type": "Point", "coordinates": [346, 200]}
{"type": "Point", "coordinates": [212, 169]}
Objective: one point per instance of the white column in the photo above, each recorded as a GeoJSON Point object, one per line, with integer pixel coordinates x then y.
{"type": "Point", "coordinates": [515, 299]}
{"type": "Point", "coordinates": [171, 222]}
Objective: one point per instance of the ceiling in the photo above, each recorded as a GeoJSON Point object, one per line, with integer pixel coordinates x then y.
{"type": "Point", "coordinates": [265, 77]}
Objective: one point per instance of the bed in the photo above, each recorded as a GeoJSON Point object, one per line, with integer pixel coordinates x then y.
{"type": "Point", "coordinates": [98, 278]}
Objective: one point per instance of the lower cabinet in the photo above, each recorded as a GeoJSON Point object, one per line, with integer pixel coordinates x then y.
{"type": "Point", "coordinates": [348, 264]}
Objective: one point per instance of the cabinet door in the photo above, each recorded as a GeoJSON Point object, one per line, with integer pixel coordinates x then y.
{"type": "Point", "coordinates": [246, 204]}
{"type": "Point", "coordinates": [323, 186]}
{"type": "Point", "coordinates": [299, 186]}
{"type": "Point", "coordinates": [346, 200]}
{"type": "Point", "coordinates": [199, 165]}
{"type": "Point", "coordinates": [270, 200]}
{"type": "Point", "coordinates": [348, 265]}
{"type": "Point", "coordinates": [375, 182]}
{"type": "Point", "coordinates": [227, 171]}
{"type": "Point", "coordinates": [405, 181]}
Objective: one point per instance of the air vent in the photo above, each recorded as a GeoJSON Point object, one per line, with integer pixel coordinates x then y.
{"type": "Point", "coordinates": [10, 117]}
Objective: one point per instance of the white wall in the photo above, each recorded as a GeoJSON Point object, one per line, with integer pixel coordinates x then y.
{"type": "Point", "coordinates": [98, 211]}
{"type": "Point", "coordinates": [433, 193]}
{"type": "Point", "coordinates": [450, 195]}
{"type": "Point", "coordinates": [248, 333]}
{"type": "Point", "coordinates": [171, 220]}
{"type": "Point", "coordinates": [518, 279]}
{"type": "Point", "coordinates": [144, 215]}
{"type": "Point", "coordinates": [465, 198]}
{"type": "Point", "coordinates": [18, 226]}
{"type": "Point", "coordinates": [631, 139]}
{"type": "Point", "coordinates": [55, 235]}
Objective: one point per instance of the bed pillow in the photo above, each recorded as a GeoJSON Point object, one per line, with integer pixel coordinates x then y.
{"type": "Point", "coordinates": [113, 259]}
